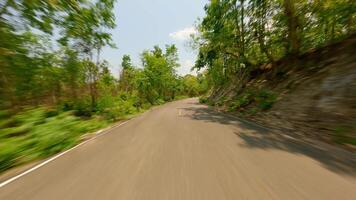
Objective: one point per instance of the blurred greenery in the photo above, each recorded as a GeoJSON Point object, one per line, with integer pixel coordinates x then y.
{"type": "Point", "coordinates": [248, 44]}
{"type": "Point", "coordinates": [345, 134]}
{"type": "Point", "coordinates": [256, 99]}
{"type": "Point", "coordinates": [54, 85]}
{"type": "Point", "coordinates": [37, 135]}
{"type": "Point", "coordinates": [240, 39]}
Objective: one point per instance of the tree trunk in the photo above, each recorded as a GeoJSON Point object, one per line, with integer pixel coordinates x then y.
{"type": "Point", "coordinates": [293, 44]}
{"type": "Point", "coordinates": [261, 21]}
{"type": "Point", "coordinates": [242, 28]}
{"type": "Point", "coordinates": [333, 29]}
{"type": "Point", "coordinates": [351, 18]}
{"type": "Point", "coordinates": [238, 33]}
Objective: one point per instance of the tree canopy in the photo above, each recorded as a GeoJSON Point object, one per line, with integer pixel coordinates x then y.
{"type": "Point", "coordinates": [238, 35]}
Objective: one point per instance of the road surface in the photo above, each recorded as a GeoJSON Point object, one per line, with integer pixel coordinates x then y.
{"type": "Point", "coordinates": [185, 151]}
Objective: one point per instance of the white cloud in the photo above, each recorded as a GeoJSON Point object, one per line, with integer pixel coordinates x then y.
{"type": "Point", "coordinates": [188, 63]}
{"type": "Point", "coordinates": [183, 34]}
{"type": "Point", "coordinates": [185, 68]}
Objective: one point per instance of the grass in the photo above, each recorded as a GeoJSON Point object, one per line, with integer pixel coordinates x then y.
{"type": "Point", "coordinates": [260, 100]}
{"type": "Point", "coordinates": [345, 134]}
{"type": "Point", "coordinates": [35, 134]}
{"type": "Point", "coordinates": [203, 99]}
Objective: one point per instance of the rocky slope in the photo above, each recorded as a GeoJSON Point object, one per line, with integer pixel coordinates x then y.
{"type": "Point", "coordinates": [312, 96]}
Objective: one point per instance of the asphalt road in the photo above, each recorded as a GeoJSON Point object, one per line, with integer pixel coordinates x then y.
{"type": "Point", "coordinates": [185, 151]}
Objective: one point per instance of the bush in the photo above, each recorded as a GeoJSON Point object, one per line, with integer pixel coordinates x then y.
{"type": "Point", "coordinates": [36, 136]}
{"type": "Point", "coordinates": [66, 106]}
{"type": "Point", "coordinates": [114, 109]}
{"type": "Point", "coordinates": [51, 113]}
{"type": "Point", "coordinates": [203, 100]}
{"type": "Point", "coordinates": [83, 112]}
{"type": "Point", "coordinates": [83, 108]}
{"type": "Point", "coordinates": [10, 152]}
{"type": "Point", "coordinates": [344, 134]}
{"type": "Point", "coordinates": [241, 101]}
{"type": "Point", "coordinates": [252, 111]}
{"type": "Point", "coordinates": [31, 116]}
{"type": "Point", "coordinates": [159, 102]}
{"type": "Point", "coordinates": [180, 97]}
{"type": "Point", "coordinates": [15, 131]}
{"type": "Point", "coordinates": [124, 96]}
{"type": "Point", "coordinates": [265, 99]}
{"type": "Point", "coordinates": [7, 123]}
{"type": "Point", "coordinates": [4, 114]}
{"type": "Point", "coordinates": [221, 101]}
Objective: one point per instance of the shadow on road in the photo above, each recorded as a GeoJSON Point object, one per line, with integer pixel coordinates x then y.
{"type": "Point", "coordinates": [255, 136]}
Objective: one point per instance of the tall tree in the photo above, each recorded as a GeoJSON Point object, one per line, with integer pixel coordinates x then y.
{"type": "Point", "coordinates": [293, 27]}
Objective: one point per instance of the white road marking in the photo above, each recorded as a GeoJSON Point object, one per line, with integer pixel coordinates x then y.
{"type": "Point", "coordinates": [98, 134]}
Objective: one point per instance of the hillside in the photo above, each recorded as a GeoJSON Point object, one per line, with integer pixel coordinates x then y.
{"type": "Point", "coordinates": [311, 96]}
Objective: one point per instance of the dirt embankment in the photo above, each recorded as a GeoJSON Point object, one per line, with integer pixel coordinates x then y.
{"type": "Point", "coordinates": [313, 96]}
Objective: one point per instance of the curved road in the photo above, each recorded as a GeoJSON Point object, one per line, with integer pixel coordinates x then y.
{"type": "Point", "coordinates": [185, 151]}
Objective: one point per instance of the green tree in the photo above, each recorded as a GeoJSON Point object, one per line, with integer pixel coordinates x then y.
{"type": "Point", "coordinates": [236, 36]}
{"type": "Point", "coordinates": [127, 76]}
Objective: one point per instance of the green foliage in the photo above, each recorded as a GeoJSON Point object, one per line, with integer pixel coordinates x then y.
{"type": "Point", "coordinates": [344, 134]}
{"type": "Point", "coordinates": [15, 131]}
{"type": "Point", "coordinates": [252, 111]}
{"type": "Point", "coordinates": [238, 35]}
{"type": "Point", "coordinates": [240, 102]}
{"type": "Point", "coordinates": [5, 114]}
{"type": "Point", "coordinates": [192, 85]}
{"type": "Point", "coordinates": [180, 97]}
{"type": "Point", "coordinates": [38, 134]}
{"type": "Point", "coordinates": [51, 113]}
{"type": "Point", "coordinates": [9, 154]}
{"type": "Point", "coordinates": [9, 122]}
{"type": "Point", "coordinates": [119, 108]}
{"type": "Point", "coordinates": [158, 81]}
{"type": "Point", "coordinates": [82, 108]}
{"type": "Point", "coordinates": [265, 99]}
{"type": "Point", "coordinates": [203, 99]}
{"type": "Point", "coordinates": [53, 91]}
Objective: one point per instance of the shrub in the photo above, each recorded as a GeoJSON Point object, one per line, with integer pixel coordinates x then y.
{"type": "Point", "coordinates": [251, 111]}
{"type": "Point", "coordinates": [4, 114]}
{"type": "Point", "coordinates": [179, 97]}
{"type": "Point", "coordinates": [30, 116]}
{"type": "Point", "coordinates": [241, 101]}
{"type": "Point", "coordinates": [221, 101]}
{"type": "Point", "coordinates": [66, 106]}
{"type": "Point", "coordinates": [265, 99]}
{"type": "Point", "coordinates": [15, 131]}
{"type": "Point", "coordinates": [160, 101]}
{"type": "Point", "coordinates": [51, 113]}
{"type": "Point", "coordinates": [7, 123]}
{"type": "Point", "coordinates": [344, 134]}
{"type": "Point", "coordinates": [124, 96]}
{"type": "Point", "coordinates": [203, 99]}
{"type": "Point", "coordinates": [120, 107]}
{"type": "Point", "coordinates": [10, 150]}
{"type": "Point", "coordinates": [82, 108]}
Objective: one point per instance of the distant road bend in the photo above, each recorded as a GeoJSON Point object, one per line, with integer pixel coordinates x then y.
{"type": "Point", "coordinates": [185, 151]}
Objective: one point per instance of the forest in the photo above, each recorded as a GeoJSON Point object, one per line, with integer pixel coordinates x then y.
{"type": "Point", "coordinates": [54, 85]}
{"type": "Point", "coordinates": [267, 110]}
{"type": "Point", "coordinates": [238, 36]}
{"type": "Point", "coordinates": [286, 64]}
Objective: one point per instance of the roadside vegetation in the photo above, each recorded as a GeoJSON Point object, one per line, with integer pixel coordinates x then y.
{"type": "Point", "coordinates": [54, 86]}
{"type": "Point", "coordinates": [250, 49]}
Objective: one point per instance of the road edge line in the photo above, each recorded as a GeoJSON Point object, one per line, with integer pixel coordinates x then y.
{"type": "Point", "coordinates": [97, 134]}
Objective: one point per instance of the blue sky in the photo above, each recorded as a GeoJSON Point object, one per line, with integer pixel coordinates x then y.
{"type": "Point", "coordinates": [141, 24]}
